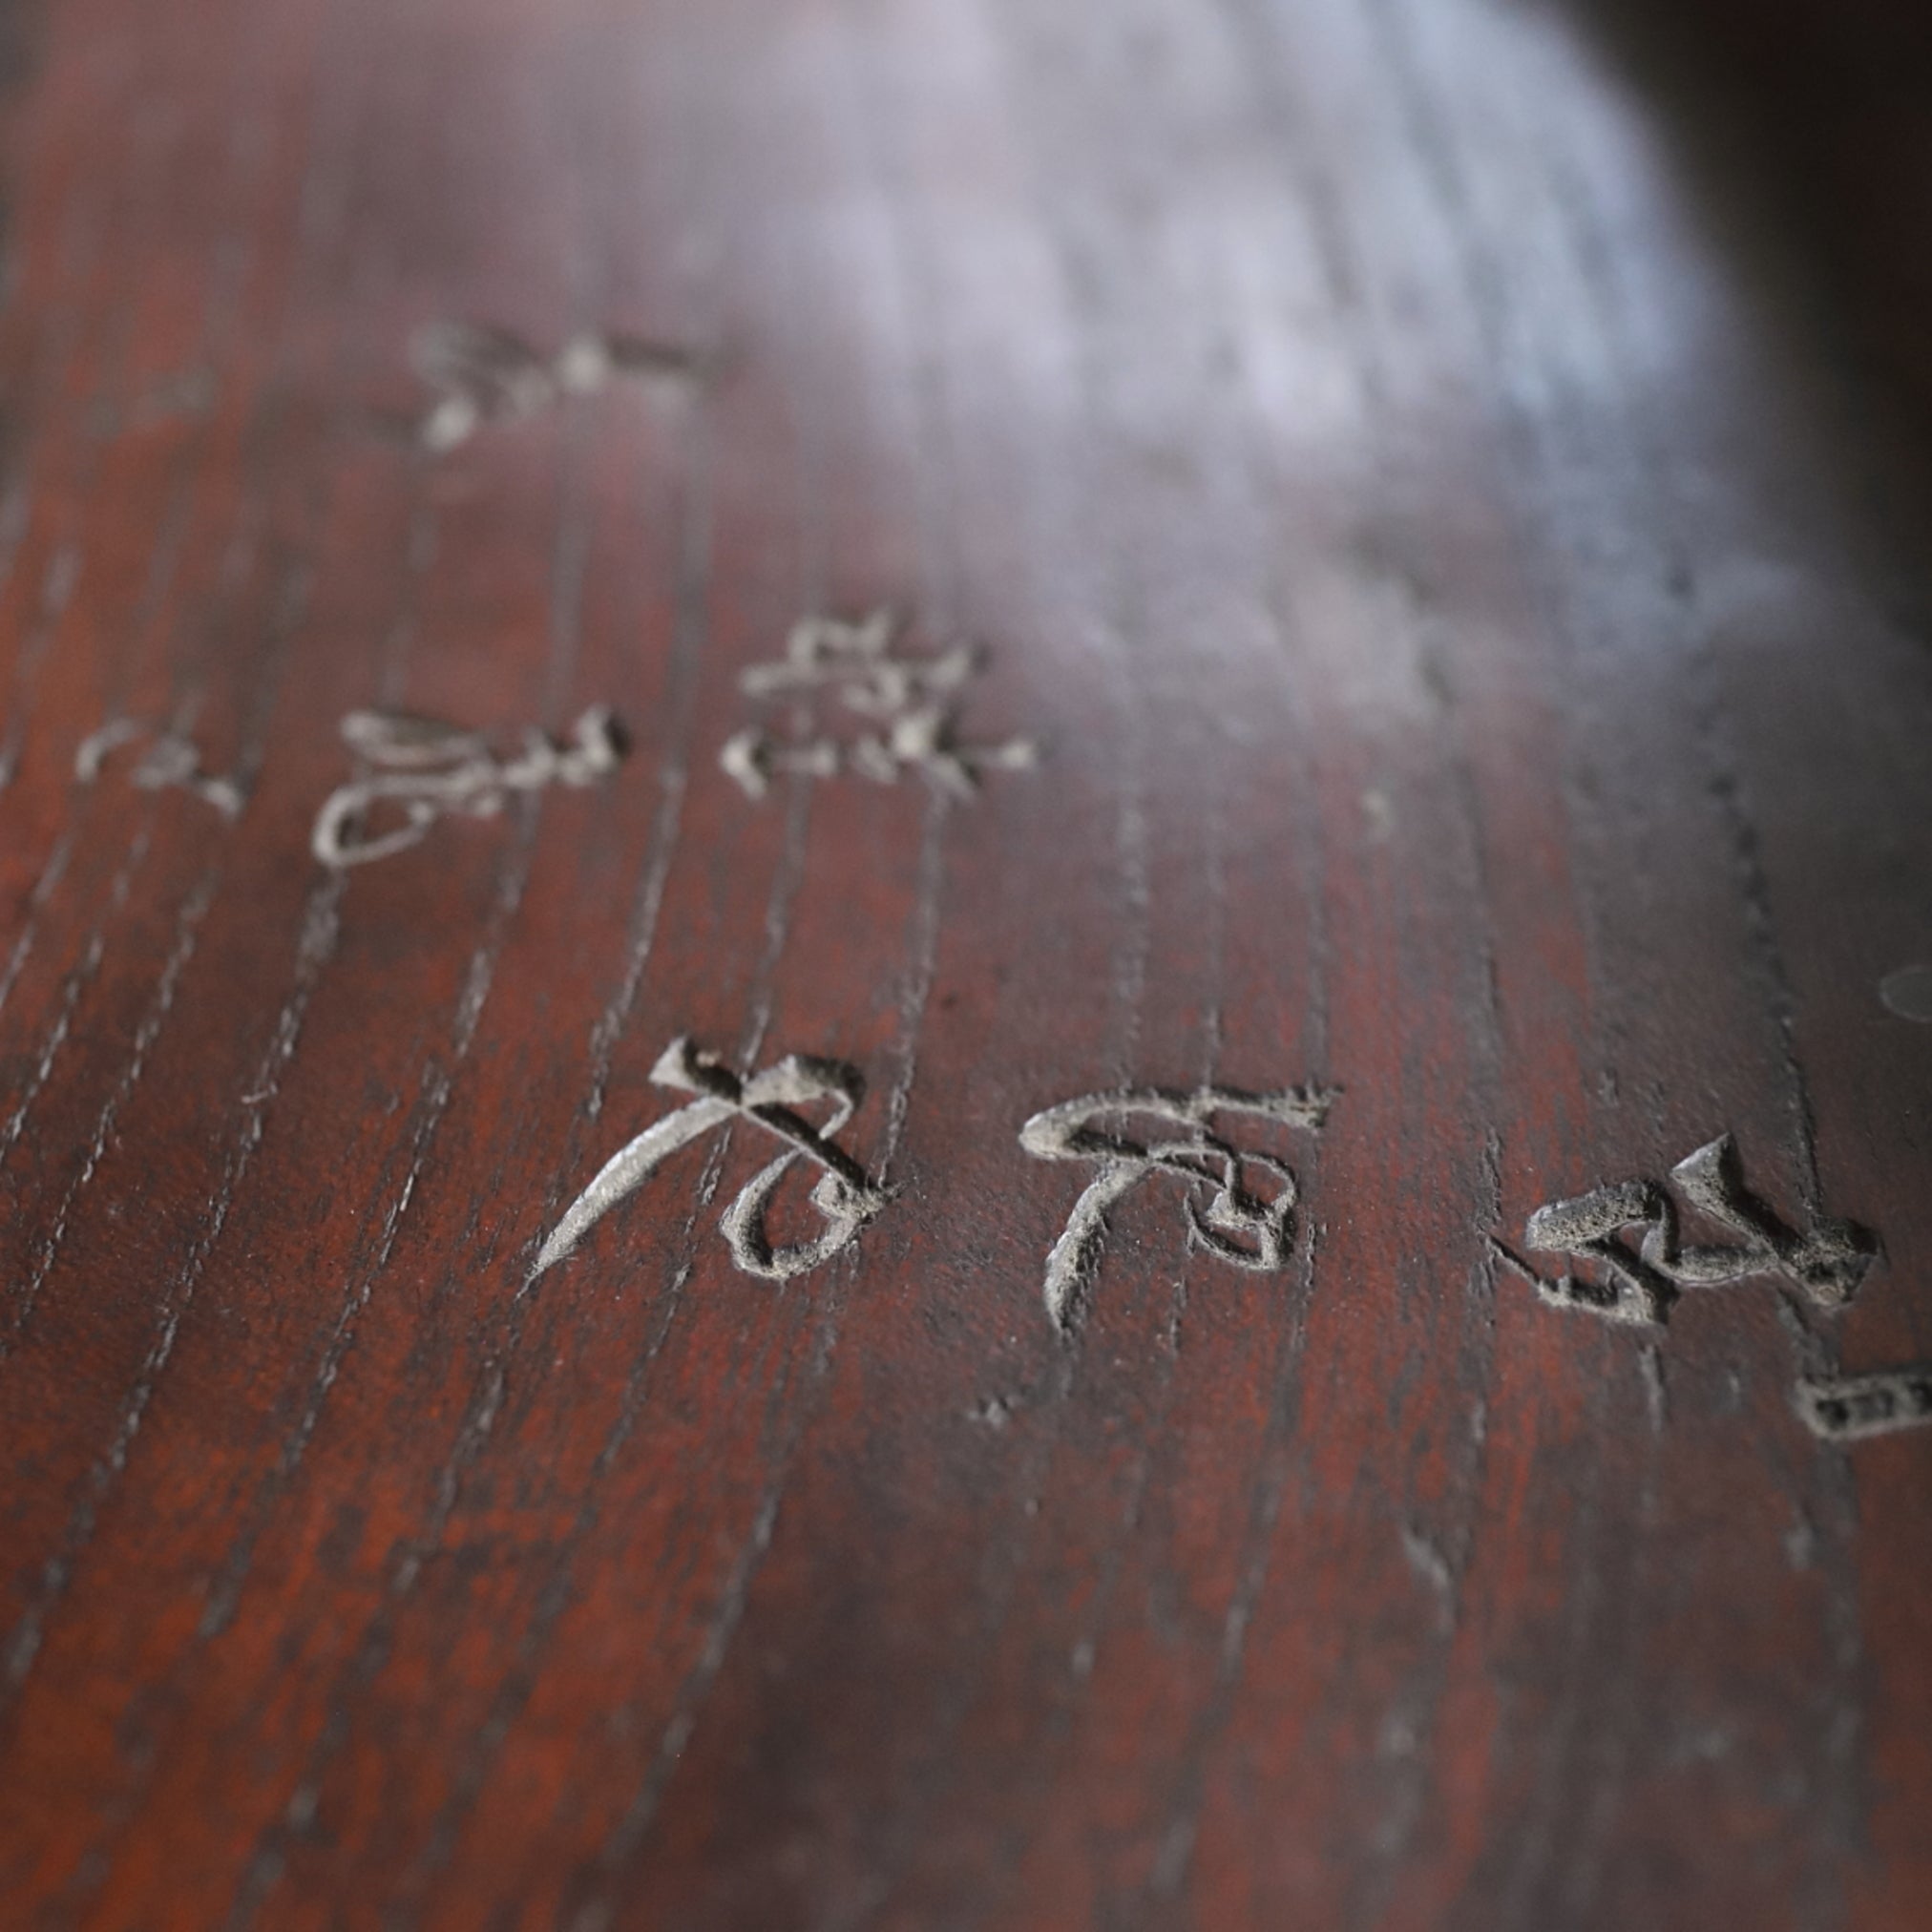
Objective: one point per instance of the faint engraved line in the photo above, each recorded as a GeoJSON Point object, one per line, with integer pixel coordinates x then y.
{"type": "Point", "coordinates": [1234, 1224]}
{"type": "Point", "coordinates": [169, 761]}
{"type": "Point", "coordinates": [844, 1196]}
{"type": "Point", "coordinates": [1640, 1284]}
{"type": "Point", "coordinates": [187, 931]}
{"type": "Point", "coordinates": [1851, 1408]}
{"type": "Point", "coordinates": [912, 702]}
{"type": "Point", "coordinates": [56, 594]}
{"type": "Point", "coordinates": [483, 376]}
{"type": "Point", "coordinates": [431, 770]}
{"type": "Point", "coordinates": [51, 876]}
{"type": "Point", "coordinates": [73, 984]}
{"type": "Point", "coordinates": [439, 1085]}
{"type": "Point", "coordinates": [22, 1643]}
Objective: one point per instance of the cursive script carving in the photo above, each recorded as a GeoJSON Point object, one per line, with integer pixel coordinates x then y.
{"type": "Point", "coordinates": [1640, 1284]}
{"type": "Point", "coordinates": [489, 375]}
{"type": "Point", "coordinates": [169, 761]}
{"type": "Point", "coordinates": [910, 701]}
{"type": "Point", "coordinates": [426, 770]}
{"type": "Point", "coordinates": [1227, 1215]}
{"type": "Point", "coordinates": [844, 1196]}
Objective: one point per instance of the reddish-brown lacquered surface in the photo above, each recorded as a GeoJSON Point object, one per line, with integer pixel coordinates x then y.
{"type": "Point", "coordinates": [1419, 483]}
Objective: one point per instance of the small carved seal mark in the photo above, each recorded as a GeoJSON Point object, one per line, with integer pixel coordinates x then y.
{"type": "Point", "coordinates": [426, 770]}
{"type": "Point", "coordinates": [1640, 1284]}
{"type": "Point", "coordinates": [170, 762]}
{"type": "Point", "coordinates": [1908, 992]}
{"type": "Point", "coordinates": [911, 702]}
{"type": "Point", "coordinates": [1850, 1408]}
{"type": "Point", "coordinates": [844, 1196]}
{"type": "Point", "coordinates": [483, 376]}
{"type": "Point", "coordinates": [1228, 1214]}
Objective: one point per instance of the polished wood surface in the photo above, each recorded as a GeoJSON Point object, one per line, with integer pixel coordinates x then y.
{"type": "Point", "coordinates": [1438, 485]}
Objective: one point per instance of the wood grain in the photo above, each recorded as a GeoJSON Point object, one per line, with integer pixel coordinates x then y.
{"type": "Point", "coordinates": [1450, 510]}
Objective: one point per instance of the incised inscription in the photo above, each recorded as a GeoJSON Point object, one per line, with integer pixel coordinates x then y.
{"type": "Point", "coordinates": [908, 704]}
{"type": "Point", "coordinates": [426, 770]}
{"type": "Point", "coordinates": [1239, 1206]}
{"type": "Point", "coordinates": [845, 1197]}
